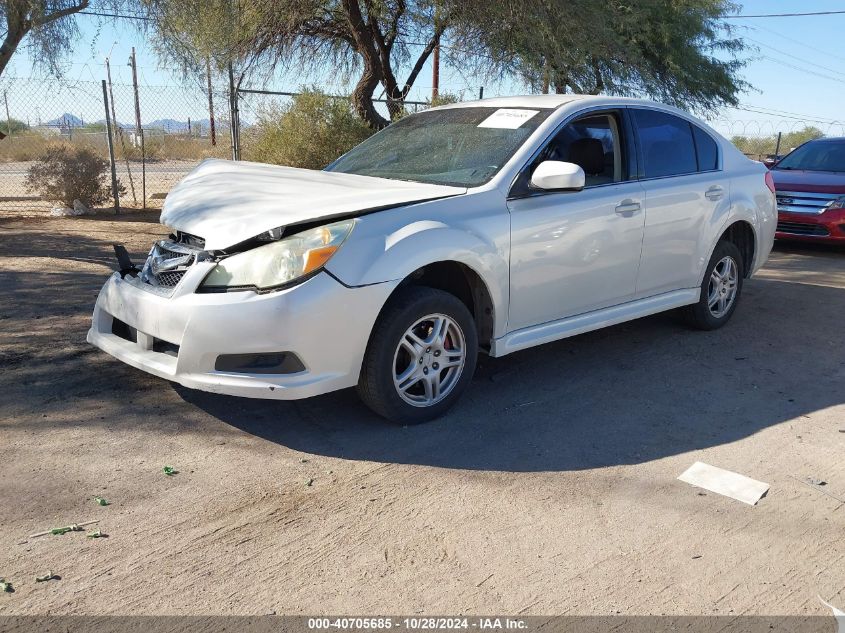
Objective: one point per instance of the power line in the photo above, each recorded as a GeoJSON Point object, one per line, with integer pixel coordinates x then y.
{"type": "Point", "coordinates": [804, 70]}
{"type": "Point", "coordinates": [775, 112]}
{"type": "Point", "coordinates": [781, 15]}
{"type": "Point", "coordinates": [795, 41]}
{"type": "Point", "coordinates": [800, 59]}
{"type": "Point", "coordinates": [784, 116]}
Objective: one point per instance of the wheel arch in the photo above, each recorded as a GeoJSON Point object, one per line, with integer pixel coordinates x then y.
{"type": "Point", "coordinates": [458, 260]}
{"type": "Point", "coordinates": [742, 234]}
{"type": "Point", "coordinates": [462, 281]}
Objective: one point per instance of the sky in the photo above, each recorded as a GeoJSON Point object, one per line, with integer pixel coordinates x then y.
{"type": "Point", "coordinates": [795, 65]}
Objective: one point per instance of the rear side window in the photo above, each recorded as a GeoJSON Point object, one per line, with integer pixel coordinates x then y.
{"type": "Point", "coordinates": [666, 143]}
{"type": "Point", "coordinates": [705, 149]}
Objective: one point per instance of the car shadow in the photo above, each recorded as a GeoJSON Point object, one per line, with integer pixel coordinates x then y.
{"type": "Point", "coordinates": [628, 394]}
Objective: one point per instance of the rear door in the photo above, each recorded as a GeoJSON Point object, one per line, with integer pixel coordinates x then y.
{"type": "Point", "coordinates": [685, 190]}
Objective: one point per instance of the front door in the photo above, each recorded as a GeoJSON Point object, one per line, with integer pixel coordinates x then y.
{"type": "Point", "coordinates": [574, 252]}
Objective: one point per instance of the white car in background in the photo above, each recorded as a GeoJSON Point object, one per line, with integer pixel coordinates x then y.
{"type": "Point", "coordinates": [486, 226]}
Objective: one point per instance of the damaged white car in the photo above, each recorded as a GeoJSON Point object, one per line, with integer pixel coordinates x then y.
{"type": "Point", "coordinates": [488, 226]}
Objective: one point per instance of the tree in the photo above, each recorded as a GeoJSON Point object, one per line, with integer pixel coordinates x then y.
{"type": "Point", "coordinates": [664, 49]}
{"type": "Point", "coordinates": [47, 24]}
{"type": "Point", "coordinates": [661, 49]}
{"type": "Point", "coordinates": [373, 38]}
{"type": "Point", "coordinates": [13, 126]}
{"type": "Point", "coordinates": [762, 145]}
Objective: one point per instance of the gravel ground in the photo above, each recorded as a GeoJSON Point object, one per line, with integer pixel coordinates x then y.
{"type": "Point", "coordinates": [550, 489]}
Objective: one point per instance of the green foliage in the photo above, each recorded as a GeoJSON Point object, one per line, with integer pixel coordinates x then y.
{"type": "Point", "coordinates": [311, 131]}
{"type": "Point", "coordinates": [64, 174]}
{"type": "Point", "coordinates": [445, 98]}
{"type": "Point", "coordinates": [13, 126]}
{"type": "Point", "coordinates": [47, 27]}
{"type": "Point", "coordinates": [681, 53]}
{"type": "Point", "coordinates": [760, 146]}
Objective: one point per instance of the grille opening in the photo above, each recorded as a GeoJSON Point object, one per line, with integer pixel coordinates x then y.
{"type": "Point", "coordinates": [266, 363]}
{"type": "Point", "coordinates": [128, 333]}
{"type": "Point", "coordinates": [124, 330]}
{"type": "Point", "coordinates": [163, 347]}
{"type": "Point", "coordinates": [801, 228]}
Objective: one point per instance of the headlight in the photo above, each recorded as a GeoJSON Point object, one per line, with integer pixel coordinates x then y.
{"type": "Point", "coordinates": [280, 262]}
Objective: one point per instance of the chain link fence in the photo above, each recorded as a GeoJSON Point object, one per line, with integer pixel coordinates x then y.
{"type": "Point", "coordinates": [764, 139]}
{"type": "Point", "coordinates": [179, 127]}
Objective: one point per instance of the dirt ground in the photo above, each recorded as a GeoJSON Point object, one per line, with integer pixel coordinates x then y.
{"type": "Point", "coordinates": [550, 489]}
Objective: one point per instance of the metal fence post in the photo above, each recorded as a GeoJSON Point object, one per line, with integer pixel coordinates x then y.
{"type": "Point", "coordinates": [111, 150]}
{"type": "Point", "coordinates": [143, 172]}
{"type": "Point", "coordinates": [8, 118]}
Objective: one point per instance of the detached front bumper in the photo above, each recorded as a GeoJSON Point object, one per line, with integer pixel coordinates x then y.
{"type": "Point", "coordinates": [823, 227]}
{"type": "Point", "coordinates": [325, 324]}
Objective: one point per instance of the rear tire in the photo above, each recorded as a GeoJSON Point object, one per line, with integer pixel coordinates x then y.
{"type": "Point", "coordinates": [720, 289]}
{"type": "Point", "coordinates": [421, 356]}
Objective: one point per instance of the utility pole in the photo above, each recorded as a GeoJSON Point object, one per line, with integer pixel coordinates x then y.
{"type": "Point", "coordinates": [119, 131]}
{"type": "Point", "coordinates": [111, 94]}
{"type": "Point", "coordinates": [111, 151]}
{"type": "Point", "coordinates": [435, 72]}
{"type": "Point", "coordinates": [211, 129]}
{"type": "Point", "coordinates": [135, 91]}
{"type": "Point", "coordinates": [233, 110]}
{"type": "Point", "coordinates": [139, 131]}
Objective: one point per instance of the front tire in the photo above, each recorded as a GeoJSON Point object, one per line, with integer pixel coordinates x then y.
{"type": "Point", "coordinates": [421, 356]}
{"type": "Point", "coordinates": [720, 289]}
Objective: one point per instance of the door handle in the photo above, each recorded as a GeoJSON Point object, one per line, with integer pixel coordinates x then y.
{"type": "Point", "coordinates": [714, 193]}
{"type": "Point", "coordinates": [628, 207]}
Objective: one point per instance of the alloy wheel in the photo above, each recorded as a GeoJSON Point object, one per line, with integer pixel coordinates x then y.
{"type": "Point", "coordinates": [429, 360]}
{"type": "Point", "coordinates": [721, 291]}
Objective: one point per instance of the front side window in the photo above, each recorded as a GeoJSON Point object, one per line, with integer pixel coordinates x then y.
{"type": "Point", "coordinates": [593, 142]}
{"type": "Point", "coordinates": [463, 147]}
{"type": "Point", "coordinates": [666, 144]}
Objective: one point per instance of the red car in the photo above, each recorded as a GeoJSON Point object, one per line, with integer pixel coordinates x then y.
{"type": "Point", "coordinates": [810, 189]}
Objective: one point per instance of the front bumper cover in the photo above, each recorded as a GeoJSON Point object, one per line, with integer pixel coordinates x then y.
{"type": "Point", "coordinates": [823, 227]}
{"type": "Point", "coordinates": [326, 324]}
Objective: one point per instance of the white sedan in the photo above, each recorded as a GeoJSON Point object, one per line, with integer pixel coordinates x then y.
{"type": "Point", "coordinates": [487, 226]}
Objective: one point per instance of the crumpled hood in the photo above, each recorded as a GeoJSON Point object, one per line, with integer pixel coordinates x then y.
{"type": "Point", "coordinates": [227, 202]}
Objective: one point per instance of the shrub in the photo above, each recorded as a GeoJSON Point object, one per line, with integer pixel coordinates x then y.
{"type": "Point", "coordinates": [65, 173]}
{"type": "Point", "coordinates": [311, 131]}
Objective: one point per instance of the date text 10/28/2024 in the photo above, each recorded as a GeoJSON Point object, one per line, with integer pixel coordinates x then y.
{"type": "Point", "coordinates": [417, 623]}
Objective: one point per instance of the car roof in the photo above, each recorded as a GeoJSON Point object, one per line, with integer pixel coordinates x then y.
{"type": "Point", "coordinates": [546, 101]}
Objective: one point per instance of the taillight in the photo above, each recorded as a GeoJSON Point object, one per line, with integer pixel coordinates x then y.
{"type": "Point", "coordinates": [770, 182]}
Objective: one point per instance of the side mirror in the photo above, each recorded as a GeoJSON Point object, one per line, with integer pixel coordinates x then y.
{"type": "Point", "coordinates": [555, 175]}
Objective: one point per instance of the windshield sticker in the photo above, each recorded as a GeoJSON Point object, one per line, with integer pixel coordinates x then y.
{"type": "Point", "coordinates": [507, 118]}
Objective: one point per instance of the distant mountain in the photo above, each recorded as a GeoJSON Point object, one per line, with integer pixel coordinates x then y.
{"type": "Point", "coordinates": [67, 119]}
{"type": "Point", "coordinates": [172, 125]}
